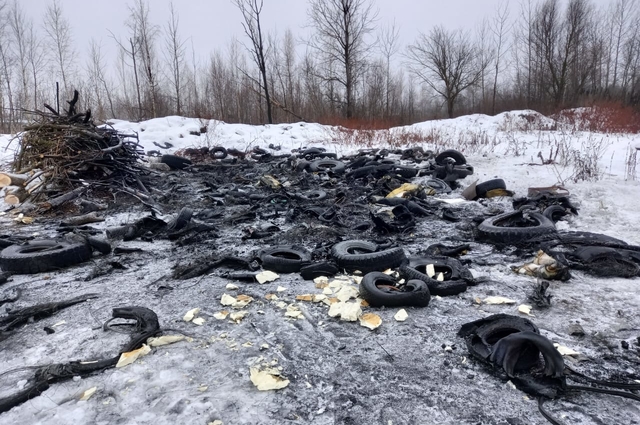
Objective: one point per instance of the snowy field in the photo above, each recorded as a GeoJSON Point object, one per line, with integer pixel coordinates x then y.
{"type": "Point", "coordinates": [206, 379]}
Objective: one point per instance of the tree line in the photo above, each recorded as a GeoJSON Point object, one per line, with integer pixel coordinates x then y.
{"type": "Point", "coordinates": [538, 54]}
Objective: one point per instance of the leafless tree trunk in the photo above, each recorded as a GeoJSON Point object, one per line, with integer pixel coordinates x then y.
{"type": "Point", "coordinates": [251, 10]}
{"type": "Point", "coordinates": [341, 30]}
{"type": "Point", "coordinates": [447, 62]}
{"type": "Point", "coordinates": [144, 34]}
{"type": "Point", "coordinates": [388, 43]}
{"type": "Point", "coordinates": [500, 29]}
{"type": "Point", "coordinates": [6, 70]}
{"type": "Point", "coordinates": [59, 31]}
{"type": "Point", "coordinates": [175, 55]}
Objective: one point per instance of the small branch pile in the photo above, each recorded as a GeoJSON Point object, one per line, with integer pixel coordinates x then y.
{"type": "Point", "coordinates": [64, 152]}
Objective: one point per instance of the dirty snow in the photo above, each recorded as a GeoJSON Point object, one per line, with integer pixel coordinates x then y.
{"type": "Point", "coordinates": [337, 371]}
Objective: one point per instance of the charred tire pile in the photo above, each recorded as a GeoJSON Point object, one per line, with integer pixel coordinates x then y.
{"type": "Point", "coordinates": [380, 289]}
{"type": "Point", "coordinates": [43, 256]}
{"type": "Point", "coordinates": [364, 256]}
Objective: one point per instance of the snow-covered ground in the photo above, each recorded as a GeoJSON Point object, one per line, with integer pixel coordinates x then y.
{"type": "Point", "coordinates": [206, 379]}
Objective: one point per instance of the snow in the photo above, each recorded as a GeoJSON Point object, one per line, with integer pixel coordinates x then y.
{"type": "Point", "coordinates": [168, 385]}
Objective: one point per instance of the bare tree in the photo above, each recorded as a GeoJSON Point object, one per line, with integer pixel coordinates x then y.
{"type": "Point", "coordinates": [96, 70]}
{"type": "Point", "coordinates": [499, 28]}
{"type": "Point", "coordinates": [175, 54]}
{"type": "Point", "coordinates": [447, 62]}
{"type": "Point", "coordinates": [59, 31]}
{"type": "Point", "coordinates": [6, 71]}
{"type": "Point", "coordinates": [251, 10]}
{"type": "Point", "coordinates": [388, 43]}
{"type": "Point", "coordinates": [144, 34]}
{"type": "Point", "coordinates": [341, 30]}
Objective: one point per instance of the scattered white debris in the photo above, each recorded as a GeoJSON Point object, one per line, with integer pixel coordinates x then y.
{"type": "Point", "coordinates": [221, 315]}
{"type": "Point", "coordinates": [294, 312]}
{"type": "Point", "coordinates": [431, 270]}
{"type": "Point", "coordinates": [268, 379]}
{"type": "Point", "coordinates": [86, 395]}
{"type": "Point", "coordinates": [281, 289]}
{"type": "Point", "coordinates": [440, 277]}
{"type": "Point", "coordinates": [132, 356]}
{"type": "Point", "coordinates": [202, 388]}
{"type": "Point", "coordinates": [321, 280]}
{"type": "Point", "coordinates": [231, 286]}
{"type": "Point", "coordinates": [164, 340]}
{"type": "Point", "coordinates": [264, 347]}
{"type": "Point", "coordinates": [240, 301]}
{"type": "Point", "coordinates": [565, 351]}
{"type": "Point", "coordinates": [237, 316]}
{"type": "Point", "coordinates": [347, 292]}
{"type": "Point", "coordinates": [525, 309]}
{"type": "Point", "coordinates": [370, 320]}
{"type": "Point", "coordinates": [189, 315]}
{"type": "Point", "coordinates": [401, 315]}
{"type": "Point", "coordinates": [347, 311]}
{"type": "Point", "coordinates": [266, 276]}
{"type": "Point", "coordinates": [498, 300]}
{"type": "Point", "coordinates": [227, 300]}
{"type": "Point", "coordinates": [198, 321]}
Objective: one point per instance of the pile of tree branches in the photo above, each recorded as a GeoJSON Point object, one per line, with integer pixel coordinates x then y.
{"type": "Point", "coordinates": [59, 153]}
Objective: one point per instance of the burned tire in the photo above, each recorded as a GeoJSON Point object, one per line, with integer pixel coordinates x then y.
{"type": "Point", "coordinates": [489, 185]}
{"type": "Point", "coordinates": [218, 152]}
{"type": "Point", "coordinates": [379, 290]}
{"type": "Point", "coordinates": [182, 219]}
{"type": "Point", "coordinates": [312, 271]}
{"type": "Point", "coordinates": [326, 165]}
{"type": "Point", "coordinates": [492, 229]}
{"type": "Point", "coordinates": [457, 156]}
{"type": "Point", "coordinates": [99, 244]}
{"type": "Point", "coordinates": [362, 255]}
{"type": "Point", "coordinates": [43, 256]}
{"type": "Point", "coordinates": [284, 259]}
{"type": "Point", "coordinates": [175, 162]}
{"type": "Point", "coordinates": [456, 276]}
{"type": "Point", "coordinates": [439, 185]}
{"type": "Point", "coordinates": [555, 212]}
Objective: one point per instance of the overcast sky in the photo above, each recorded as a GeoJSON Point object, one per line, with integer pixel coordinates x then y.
{"type": "Point", "coordinates": [213, 23]}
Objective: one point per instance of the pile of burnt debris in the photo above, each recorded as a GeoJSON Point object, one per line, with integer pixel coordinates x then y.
{"type": "Point", "coordinates": [62, 154]}
{"type": "Point", "coordinates": [312, 213]}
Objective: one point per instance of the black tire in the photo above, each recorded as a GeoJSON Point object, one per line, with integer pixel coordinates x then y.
{"type": "Point", "coordinates": [555, 212]}
{"type": "Point", "coordinates": [284, 259]}
{"type": "Point", "coordinates": [457, 156]}
{"type": "Point", "coordinates": [358, 162]}
{"type": "Point", "coordinates": [182, 219]}
{"type": "Point", "coordinates": [175, 162]}
{"type": "Point", "coordinates": [314, 195]}
{"type": "Point", "coordinates": [99, 244]}
{"type": "Point", "coordinates": [414, 294]}
{"type": "Point", "coordinates": [456, 276]}
{"type": "Point", "coordinates": [362, 172]}
{"type": "Point", "coordinates": [491, 230]}
{"type": "Point", "coordinates": [484, 187]}
{"type": "Point", "coordinates": [327, 165]}
{"type": "Point", "coordinates": [312, 271]}
{"type": "Point", "coordinates": [450, 215]}
{"type": "Point", "coordinates": [218, 152]}
{"type": "Point", "coordinates": [406, 172]}
{"type": "Point", "coordinates": [43, 256]}
{"type": "Point", "coordinates": [369, 259]}
{"type": "Point", "coordinates": [439, 185]}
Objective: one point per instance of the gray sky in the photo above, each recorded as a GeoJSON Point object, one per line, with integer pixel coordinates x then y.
{"type": "Point", "coordinates": [213, 23]}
